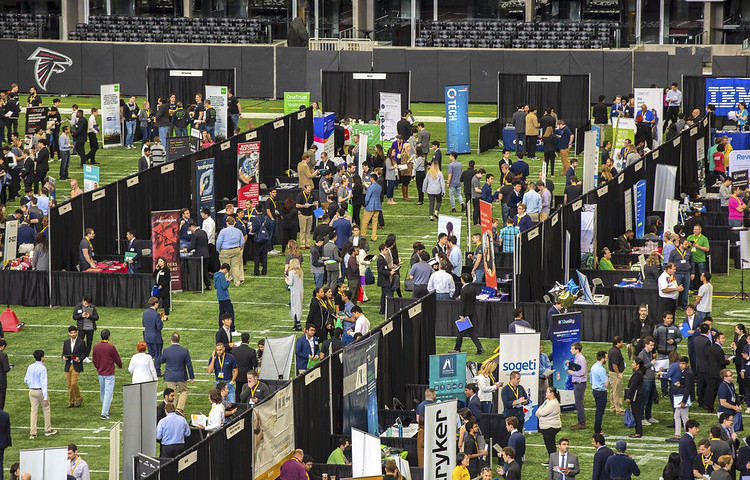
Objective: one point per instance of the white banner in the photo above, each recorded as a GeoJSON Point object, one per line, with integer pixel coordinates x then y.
{"type": "Point", "coordinates": [450, 226]}
{"type": "Point", "coordinates": [390, 114]}
{"type": "Point", "coordinates": [278, 354]}
{"type": "Point", "coordinates": [440, 440]}
{"type": "Point", "coordinates": [739, 161]}
{"type": "Point", "coordinates": [365, 455]}
{"type": "Point", "coordinates": [590, 161]}
{"type": "Point", "coordinates": [628, 196]}
{"type": "Point", "coordinates": [218, 97]}
{"type": "Point", "coordinates": [273, 434]}
{"type": "Point", "coordinates": [110, 114]}
{"type": "Point", "coordinates": [654, 100]}
{"type": "Point", "coordinates": [363, 137]}
{"type": "Point", "coordinates": [10, 250]}
{"type": "Point", "coordinates": [519, 352]}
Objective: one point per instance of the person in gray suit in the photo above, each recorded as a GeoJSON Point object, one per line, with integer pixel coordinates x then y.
{"type": "Point", "coordinates": [519, 124]}
{"type": "Point", "coordinates": [563, 465]}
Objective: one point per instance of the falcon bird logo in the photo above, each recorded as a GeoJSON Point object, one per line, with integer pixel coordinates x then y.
{"type": "Point", "coordinates": [47, 63]}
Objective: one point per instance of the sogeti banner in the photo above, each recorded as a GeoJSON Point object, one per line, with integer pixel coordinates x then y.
{"type": "Point", "coordinates": [293, 100]}
{"type": "Point", "coordinates": [448, 376]}
{"type": "Point", "coordinates": [111, 125]}
{"type": "Point", "coordinates": [248, 169]}
{"type": "Point", "coordinates": [218, 97]}
{"type": "Point", "coordinates": [488, 244]}
{"type": "Point", "coordinates": [639, 192]}
{"type": "Point", "coordinates": [564, 332]}
{"type": "Point", "coordinates": [165, 242]}
{"type": "Point", "coordinates": [323, 135]}
{"type": "Point", "coordinates": [457, 118]}
{"type": "Point", "coordinates": [360, 405]}
{"type": "Point", "coordinates": [440, 440]}
{"type": "Point", "coordinates": [519, 352]}
{"type": "Point", "coordinates": [204, 179]}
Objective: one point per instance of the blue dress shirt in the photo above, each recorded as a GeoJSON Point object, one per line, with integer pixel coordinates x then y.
{"type": "Point", "coordinates": [172, 429]}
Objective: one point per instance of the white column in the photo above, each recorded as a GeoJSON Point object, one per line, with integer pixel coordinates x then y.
{"type": "Point", "coordinates": [187, 11]}
{"type": "Point", "coordinates": [662, 19]}
{"type": "Point", "coordinates": [317, 22]}
{"type": "Point", "coordinates": [638, 11]}
{"type": "Point", "coordinates": [413, 21]}
{"type": "Point", "coordinates": [434, 10]}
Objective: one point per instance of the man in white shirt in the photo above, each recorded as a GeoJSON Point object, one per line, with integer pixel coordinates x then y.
{"type": "Point", "coordinates": [362, 324]}
{"type": "Point", "coordinates": [77, 466]}
{"type": "Point", "coordinates": [441, 282]}
{"type": "Point", "coordinates": [669, 290]}
{"type": "Point", "coordinates": [208, 226]}
{"type": "Point", "coordinates": [704, 301]}
{"type": "Point", "coordinates": [674, 100]}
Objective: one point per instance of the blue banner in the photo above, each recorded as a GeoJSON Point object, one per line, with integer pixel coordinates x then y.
{"type": "Point", "coordinates": [565, 331]}
{"type": "Point", "coordinates": [204, 180]}
{"type": "Point", "coordinates": [639, 191]}
{"type": "Point", "coordinates": [457, 118]}
{"type": "Point", "coordinates": [448, 376]}
{"type": "Point", "coordinates": [726, 93]}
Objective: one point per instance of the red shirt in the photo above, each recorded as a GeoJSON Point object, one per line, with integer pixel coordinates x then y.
{"type": "Point", "coordinates": [105, 357]}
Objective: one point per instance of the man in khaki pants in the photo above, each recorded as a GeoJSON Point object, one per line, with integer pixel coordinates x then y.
{"type": "Point", "coordinates": [178, 369]}
{"type": "Point", "coordinates": [373, 207]}
{"type": "Point", "coordinates": [305, 205]}
{"type": "Point", "coordinates": [229, 245]}
{"type": "Point", "coordinates": [616, 368]}
{"type": "Point", "coordinates": [36, 379]}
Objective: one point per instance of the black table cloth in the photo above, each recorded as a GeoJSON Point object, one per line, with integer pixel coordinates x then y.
{"type": "Point", "coordinates": [29, 288]}
{"type": "Point", "coordinates": [105, 289]}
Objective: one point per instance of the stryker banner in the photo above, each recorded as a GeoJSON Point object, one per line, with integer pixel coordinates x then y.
{"type": "Point", "coordinates": [248, 168]}
{"type": "Point", "coordinates": [165, 242]}
{"type": "Point", "coordinates": [218, 97]}
{"type": "Point", "coordinates": [360, 404]}
{"type": "Point", "coordinates": [457, 119]}
{"type": "Point", "coordinates": [440, 440]}
{"type": "Point", "coordinates": [204, 182]}
{"type": "Point", "coordinates": [519, 352]}
{"type": "Point", "coordinates": [639, 193]}
{"type": "Point", "coordinates": [448, 376]}
{"type": "Point", "coordinates": [564, 332]}
{"type": "Point", "coordinates": [111, 125]}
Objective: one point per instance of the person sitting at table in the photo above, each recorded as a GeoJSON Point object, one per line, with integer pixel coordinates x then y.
{"type": "Point", "coordinates": [605, 263]}
{"type": "Point", "coordinates": [623, 242]}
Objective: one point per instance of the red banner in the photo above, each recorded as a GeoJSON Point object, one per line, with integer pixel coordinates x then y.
{"type": "Point", "coordinates": [165, 242]}
{"type": "Point", "coordinates": [248, 169]}
{"type": "Point", "coordinates": [488, 244]}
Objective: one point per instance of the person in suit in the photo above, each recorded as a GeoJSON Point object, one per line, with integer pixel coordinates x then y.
{"type": "Point", "coordinates": [42, 164]}
{"type": "Point", "coordinates": [472, 400]}
{"type": "Point", "coordinates": [634, 395]}
{"type": "Point", "coordinates": [247, 359]}
{"type": "Point", "coordinates": [152, 327]}
{"type": "Point", "coordinates": [178, 369]}
{"type": "Point", "coordinates": [437, 155]}
{"type": "Point", "coordinates": [4, 369]}
{"type": "Point", "coordinates": [253, 390]}
{"type": "Point", "coordinates": [318, 313]}
{"type": "Point", "coordinates": [469, 292]}
{"type": "Point", "coordinates": [163, 280]}
{"type": "Point", "coordinates": [133, 246]}
{"type": "Point", "coordinates": [603, 452]}
{"type": "Point", "coordinates": [623, 242]}
{"type": "Point", "coordinates": [716, 363]}
{"type": "Point", "coordinates": [701, 344]}
{"type": "Point", "coordinates": [80, 131]}
{"type": "Point", "coordinates": [5, 438]}
{"type": "Point", "coordinates": [516, 439]}
{"type": "Point", "coordinates": [563, 465]}
{"type": "Point", "coordinates": [73, 353]}
{"type": "Point", "coordinates": [168, 396]}
{"type": "Point", "coordinates": [385, 277]}
{"type": "Point", "coordinates": [224, 335]}
{"type": "Point", "coordinates": [555, 309]}
{"type": "Point", "coordinates": [621, 465]}
{"type": "Point", "coordinates": [511, 470]}
{"type": "Point", "coordinates": [688, 450]}
{"type": "Point", "coordinates": [199, 247]}
{"type": "Point", "coordinates": [306, 348]}
{"type": "Point", "coordinates": [86, 316]}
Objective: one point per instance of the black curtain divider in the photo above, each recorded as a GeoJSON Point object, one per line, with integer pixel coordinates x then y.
{"type": "Point", "coordinates": [105, 289]}
{"type": "Point", "coordinates": [337, 391]}
{"type": "Point", "coordinates": [135, 204]}
{"type": "Point", "coordinates": [225, 171]}
{"type": "Point", "coordinates": [29, 288]}
{"type": "Point", "coordinates": [572, 226]}
{"type": "Point", "coordinates": [100, 208]}
{"type": "Point", "coordinates": [688, 169]}
{"type": "Point", "coordinates": [529, 287]}
{"type": "Point", "coordinates": [311, 411]}
{"type": "Point", "coordinates": [360, 99]}
{"type": "Point", "coordinates": [182, 183]}
{"type": "Point", "coordinates": [610, 216]}
{"type": "Point", "coordinates": [693, 92]}
{"type": "Point", "coordinates": [300, 135]}
{"type": "Point", "coordinates": [274, 151]}
{"type": "Point", "coordinates": [489, 133]}
{"type": "Point", "coordinates": [552, 253]}
{"type": "Point", "coordinates": [162, 84]}
{"type": "Point", "coordinates": [719, 256]}
{"type": "Point", "coordinates": [391, 380]}
{"type": "Point", "coordinates": [569, 97]}
{"type": "Point", "coordinates": [66, 233]}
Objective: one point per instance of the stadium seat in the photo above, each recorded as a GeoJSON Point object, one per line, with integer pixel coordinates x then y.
{"type": "Point", "coordinates": [467, 43]}
{"type": "Point", "coordinates": [483, 43]}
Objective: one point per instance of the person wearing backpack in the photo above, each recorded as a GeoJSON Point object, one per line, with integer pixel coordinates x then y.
{"type": "Point", "coordinates": [260, 227]}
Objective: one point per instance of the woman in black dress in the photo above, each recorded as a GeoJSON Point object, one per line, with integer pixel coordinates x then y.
{"type": "Point", "coordinates": [358, 198]}
{"type": "Point", "coordinates": [634, 395]}
{"type": "Point", "coordinates": [163, 282]}
{"type": "Point", "coordinates": [289, 223]}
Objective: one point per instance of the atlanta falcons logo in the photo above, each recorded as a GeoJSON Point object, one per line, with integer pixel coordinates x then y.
{"type": "Point", "coordinates": [47, 63]}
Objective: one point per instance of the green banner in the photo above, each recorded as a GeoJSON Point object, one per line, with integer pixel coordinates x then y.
{"type": "Point", "coordinates": [372, 132]}
{"type": "Point", "coordinates": [292, 101]}
{"type": "Point", "coordinates": [624, 128]}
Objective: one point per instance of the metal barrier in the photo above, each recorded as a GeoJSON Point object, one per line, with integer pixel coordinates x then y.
{"type": "Point", "coordinates": [339, 44]}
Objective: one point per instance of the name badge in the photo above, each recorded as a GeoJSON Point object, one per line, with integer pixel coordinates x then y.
{"type": "Point", "coordinates": [570, 465]}
{"type": "Point", "coordinates": [220, 375]}
{"type": "Point", "coordinates": [671, 330]}
{"type": "Point", "coordinates": [683, 261]}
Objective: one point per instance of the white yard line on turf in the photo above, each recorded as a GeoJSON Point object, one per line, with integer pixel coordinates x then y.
{"type": "Point", "coordinates": [586, 447]}
{"type": "Point", "coordinates": [118, 327]}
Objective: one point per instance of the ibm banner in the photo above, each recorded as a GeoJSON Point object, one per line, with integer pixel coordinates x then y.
{"type": "Point", "coordinates": [448, 376]}
{"type": "Point", "coordinates": [218, 97]}
{"type": "Point", "coordinates": [457, 119]}
{"type": "Point", "coordinates": [390, 114]}
{"type": "Point", "coordinates": [440, 440]}
{"type": "Point", "coordinates": [165, 242]}
{"type": "Point", "coordinates": [519, 352]}
{"type": "Point", "coordinates": [204, 180]}
{"type": "Point", "coordinates": [360, 380]}
{"type": "Point", "coordinates": [111, 126]}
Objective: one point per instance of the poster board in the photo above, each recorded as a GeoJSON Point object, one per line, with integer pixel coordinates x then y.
{"type": "Point", "coordinates": [177, 147]}
{"type": "Point", "coordinates": [218, 97]}
{"type": "Point", "coordinates": [36, 117]}
{"type": "Point", "coordinates": [273, 434]}
{"type": "Point", "coordinates": [520, 352]}
{"type": "Point", "coordinates": [590, 161]}
{"type": "Point", "coordinates": [450, 226]}
{"type": "Point", "coordinates": [653, 98]}
{"type": "Point", "coordinates": [293, 100]}
{"type": "Point", "coordinates": [390, 114]}
{"type": "Point", "coordinates": [365, 454]}
{"type": "Point", "coordinates": [110, 112]}
{"type": "Point", "coordinates": [90, 178]}
{"type": "Point", "coordinates": [248, 172]}
{"type": "Point", "coordinates": [448, 376]}
{"type": "Point", "coordinates": [10, 247]}
{"type": "Point", "coordinates": [45, 463]}
{"type": "Point", "coordinates": [278, 355]}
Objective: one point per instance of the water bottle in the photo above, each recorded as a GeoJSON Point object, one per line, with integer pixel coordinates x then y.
{"type": "Point", "coordinates": [400, 428]}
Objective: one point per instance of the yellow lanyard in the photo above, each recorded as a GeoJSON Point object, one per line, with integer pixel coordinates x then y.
{"type": "Point", "coordinates": [90, 246]}
{"type": "Point", "coordinates": [73, 466]}
{"type": "Point", "coordinates": [272, 201]}
{"type": "Point", "coordinates": [253, 389]}
{"type": "Point", "coordinates": [682, 254]}
{"type": "Point", "coordinates": [514, 390]}
{"type": "Point", "coordinates": [221, 362]}
{"type": "Point", "coordinates": [307, 197]}
{"type": "Point", "coordinates": [705, 461]}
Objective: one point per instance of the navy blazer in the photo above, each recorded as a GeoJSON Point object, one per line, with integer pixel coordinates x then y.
{"type": "Point", "coordinates": [178, 365]}
{"type": "Point", "coordinates": [600, 460]}
{"type": "Point", "coordinates": [136, 247]}
{"type": "Point", "coordinates": [221, 337]}
{"type": "Point", "coordinates": [688, 451]}
{"type": "Point", "coordinates": [302, 351]}
{"type": "Point", "coordinates": [5, 440]}
{"type": "Point", "coordinates": [475, 406]}
{"type": "Point", "coordinates": [518, 441]}
{"type": "Point", "coordinates": [152, 326]}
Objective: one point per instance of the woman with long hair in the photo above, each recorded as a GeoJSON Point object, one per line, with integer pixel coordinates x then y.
{"type": "Point", "coordinates": [289, 223]}
{"type": "Point", "coordinates": [549, 418]}
{"type": "Point", "coordinates": [317, 110]}
{"type": "Point", "coordinates": [163, 284]}
{"type": "Point", "coordinates": [142, 365]}
{"type": "Point", "coordinates": [634, 395]}
{"type": "Point", "coordinates": [485, 380]}
{"type": "Point", "coordinates": [391, 174]}
{"type": "Point", "coordinates": [378, 159]}
{"type": "Point", "coordinates": [292, 251]}
{"type": "Point", "coordinates": [549, 140]}
{"type": "Point", "coordinates": [293, 277]}
{"type": "Point", "coordinates": [434, 186]}
{"type": "Point", "coordinates": [40, 260]}
{"type": "Point", "coordinates": [407, 159]}
{"type": "Point", "coordinates": [652, 271]}
{"type": "Point", "coordinates": [358, 198]}
{"type": "Point", "coordinates": [672, 468]}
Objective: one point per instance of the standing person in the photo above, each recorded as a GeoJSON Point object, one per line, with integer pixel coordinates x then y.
{"type": "Point", "coordinates": [162, 120]}
{"type": "Point", "coordinates": [469, 292]}
{"type": "Point", "coordinates": [634, 395]}
{"type": "Point", "coordinates": [434, 186]}
{"type": "Point", "coordinates": [599, 386]}
{"type": "Point", "coordinates": [36, 380]}
{"type": "Point", "coordinates": [224, 367]}
{"type": "Point", "coordinates": [577, 370]}
{"type": "Point", "coordinates": [471, 448]}
{"type": "Point", "coordinates": [178, 369]}
{"type": "Point", "coordinates": [73, 353]}
{"type": "Point", "coordinates": [171, 432]}
{"type": "Point", "coordinates": [454, 182]}
{"type": "Point", "coordinates": [130, 117]}
{"type": "Point", "coordinates": [385, 277]}
{"type": "Point", "coordinates": [64, 149]}
{"type": "Point", "coordinates": [437, 155]}
{"type": "Point", "coordinates": [549, 418]}
{"type": "Point", "coordinates": [667, 336]}
{"type": "Point", "coordinates": [229, 245]}
{"type": "Point", "coordinates": [603, 452]}
{"type": "Point", "coordinates": [549, 140]}
{"type": "Point", "coordinates": [673, 100]}
{"type": "Point", "coordinates": [669, 289]}
{"type": "Point", "coordinates": [621, 465]}
{"type": "Point", "coordinates": [485, 381]}
{"type": "Point", "coordinates": [736, 208]}
{"type": "Point", "coordinates": [145, 121]}
{"type": "Point", "coordinates": [163, 285]}
{"type": "Point", "coordinates": [233, 109]}
{"type": "Point", "coordinates": [391, 175]}
{"type": "Point", "coordinates": [305, 204]}
{"type": "Point", "coordinates": [77, 466]}
{"type": "Point", "coordinates": [565, 140]}
{"type": "Point", "coordinates": [105, 356]}
{"type": "Point", "coordinates": [86, 316]}
{"type": "Point", "coordinates": [419, 172]}
{"type": "Point", "coordinates": [514, 397]}
{"type": "Point", "coordinates": [306, 348]}
{"type": "Point", "coordinates": [293, 278]}
{"type": "Point", "coordinates": [683, 262]}
{"type": "Point", "coordinates": [519, 125]}
{"type": "Point", "coordinates": [80, 131]}
{"type": "Point", "coordinates": [704, 301]}
{"type": "Point", "coordinates": [716, 368]}
{"type": "Point", "coordinates": [93, 132]}
{"type": "Point", "coordinates": [262, 228]}
{"type": "Point", "coordinates": [532, 132]}
{"type": "Point", "coordinates": [198, 247]}
{"type": "Point", "coordinates": [688, 452]}
{"type": "Point", "coordinates": [681, 396]}
{"type": "Point", "coordinates": [246, 358]}
{"type": "Point", "coordinates": [221, 285]}
{"type": "Point", "coordinates": [563, 465]}
{"type": "Point", "coordinates": [152, 327]}
{"type": "Point", "coordinates": [616, 369]}
{"type": "Point", "coordinates": [649, 380]}
{"type": "Point", "coordinates": [41, 162]}
{"type": "Point", "coordinates": [699, 247]}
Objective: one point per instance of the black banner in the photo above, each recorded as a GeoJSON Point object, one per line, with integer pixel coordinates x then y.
{"type": "Point", "coordinates": [177, 147]}
{"type": "Point", "coordinates": [36, 117]}
{"type": "Point", "coordinates": [739, 179]}
{"type": "Point", "coordinates": [360, 395]}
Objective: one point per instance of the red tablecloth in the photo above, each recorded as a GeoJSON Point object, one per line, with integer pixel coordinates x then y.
{"type": "Point", "coordinates": [108, 267]}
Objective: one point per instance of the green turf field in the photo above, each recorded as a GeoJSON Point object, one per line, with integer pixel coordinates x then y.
{"type": "Point", "coordinates": [261, 309]}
